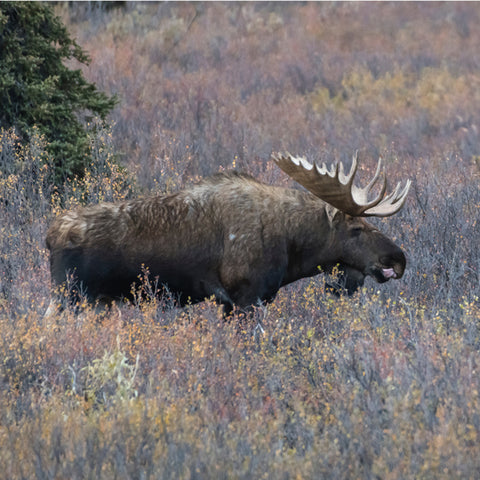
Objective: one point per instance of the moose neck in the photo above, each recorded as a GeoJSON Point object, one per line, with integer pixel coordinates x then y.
{"type": "Point", "coordinates": [311, 238]}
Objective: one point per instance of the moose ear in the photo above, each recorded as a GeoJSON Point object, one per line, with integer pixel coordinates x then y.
{"type": "Point", "coordinates": [331, 212]}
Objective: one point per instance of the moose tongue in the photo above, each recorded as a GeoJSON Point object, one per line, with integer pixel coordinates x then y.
{"type": "Point", "coordinates": [389, 273]}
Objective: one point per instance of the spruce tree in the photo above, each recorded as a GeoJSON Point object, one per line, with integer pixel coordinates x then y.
{"type": "Point", "coordinates": [37, 88]}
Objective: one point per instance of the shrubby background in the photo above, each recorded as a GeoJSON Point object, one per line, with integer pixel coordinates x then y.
{"type": "Point", "coordinates": [381, 385]}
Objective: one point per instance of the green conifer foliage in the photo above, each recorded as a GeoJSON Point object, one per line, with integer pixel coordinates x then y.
{"type": "Point", "coordinates": [36, 88]}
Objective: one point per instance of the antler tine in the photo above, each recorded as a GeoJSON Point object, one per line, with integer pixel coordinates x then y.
{"type": "Point", "coordinates": [361, 194]}
{"type": "Point", "coordinates": [373, 181]}
{"type": "Point", "coordinates": [348, 179]}
{"type": "Point", "coordinates": [337, 189]}
{"type": "Point", "coordinates": [304, 162]}
{"type": "Point", "coordinates": [392, 203]}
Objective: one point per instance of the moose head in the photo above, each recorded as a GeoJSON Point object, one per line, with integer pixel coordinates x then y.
{"type": "Point", "coordinates": [361, 249]}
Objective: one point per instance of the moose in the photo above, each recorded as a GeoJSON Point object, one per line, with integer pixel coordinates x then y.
{"type": "Point", "coordinates": [232, 237]}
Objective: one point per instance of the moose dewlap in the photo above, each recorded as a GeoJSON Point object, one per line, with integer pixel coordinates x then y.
{"type": "Point", "coordinates": [231, 237]}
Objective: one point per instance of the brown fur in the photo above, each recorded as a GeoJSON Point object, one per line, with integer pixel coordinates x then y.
{"type": "Point", "coordinates": [229, 236]}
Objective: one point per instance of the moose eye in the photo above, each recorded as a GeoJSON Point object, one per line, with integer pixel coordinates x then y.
{"type": "Point", "coordinates": [356, 231]}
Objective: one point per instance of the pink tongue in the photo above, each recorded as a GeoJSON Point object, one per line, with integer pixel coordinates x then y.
{"type": "Point", "coordinates": [389, 273]}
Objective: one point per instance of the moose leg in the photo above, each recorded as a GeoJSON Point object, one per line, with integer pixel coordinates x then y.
{"type": "Point", "coordinates": [211, 286]}
{"type": "Point", "coordinates": [223, 297]}
{"type": "Point", "coordinates": [257, 290]}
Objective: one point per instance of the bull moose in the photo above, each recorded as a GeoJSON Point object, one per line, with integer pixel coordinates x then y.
{"type": "Point", "coordinates": [231, 237]}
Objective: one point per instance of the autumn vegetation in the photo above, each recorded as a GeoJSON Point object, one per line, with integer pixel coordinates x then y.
{"type": "Point", "coordinates": [382, 385]}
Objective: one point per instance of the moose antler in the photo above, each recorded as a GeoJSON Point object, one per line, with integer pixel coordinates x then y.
{"type": "Point", "coordinates": [337, 189]}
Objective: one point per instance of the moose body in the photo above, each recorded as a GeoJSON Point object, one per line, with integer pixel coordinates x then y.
{"type": "Point", "coordinates": [230, 237]}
